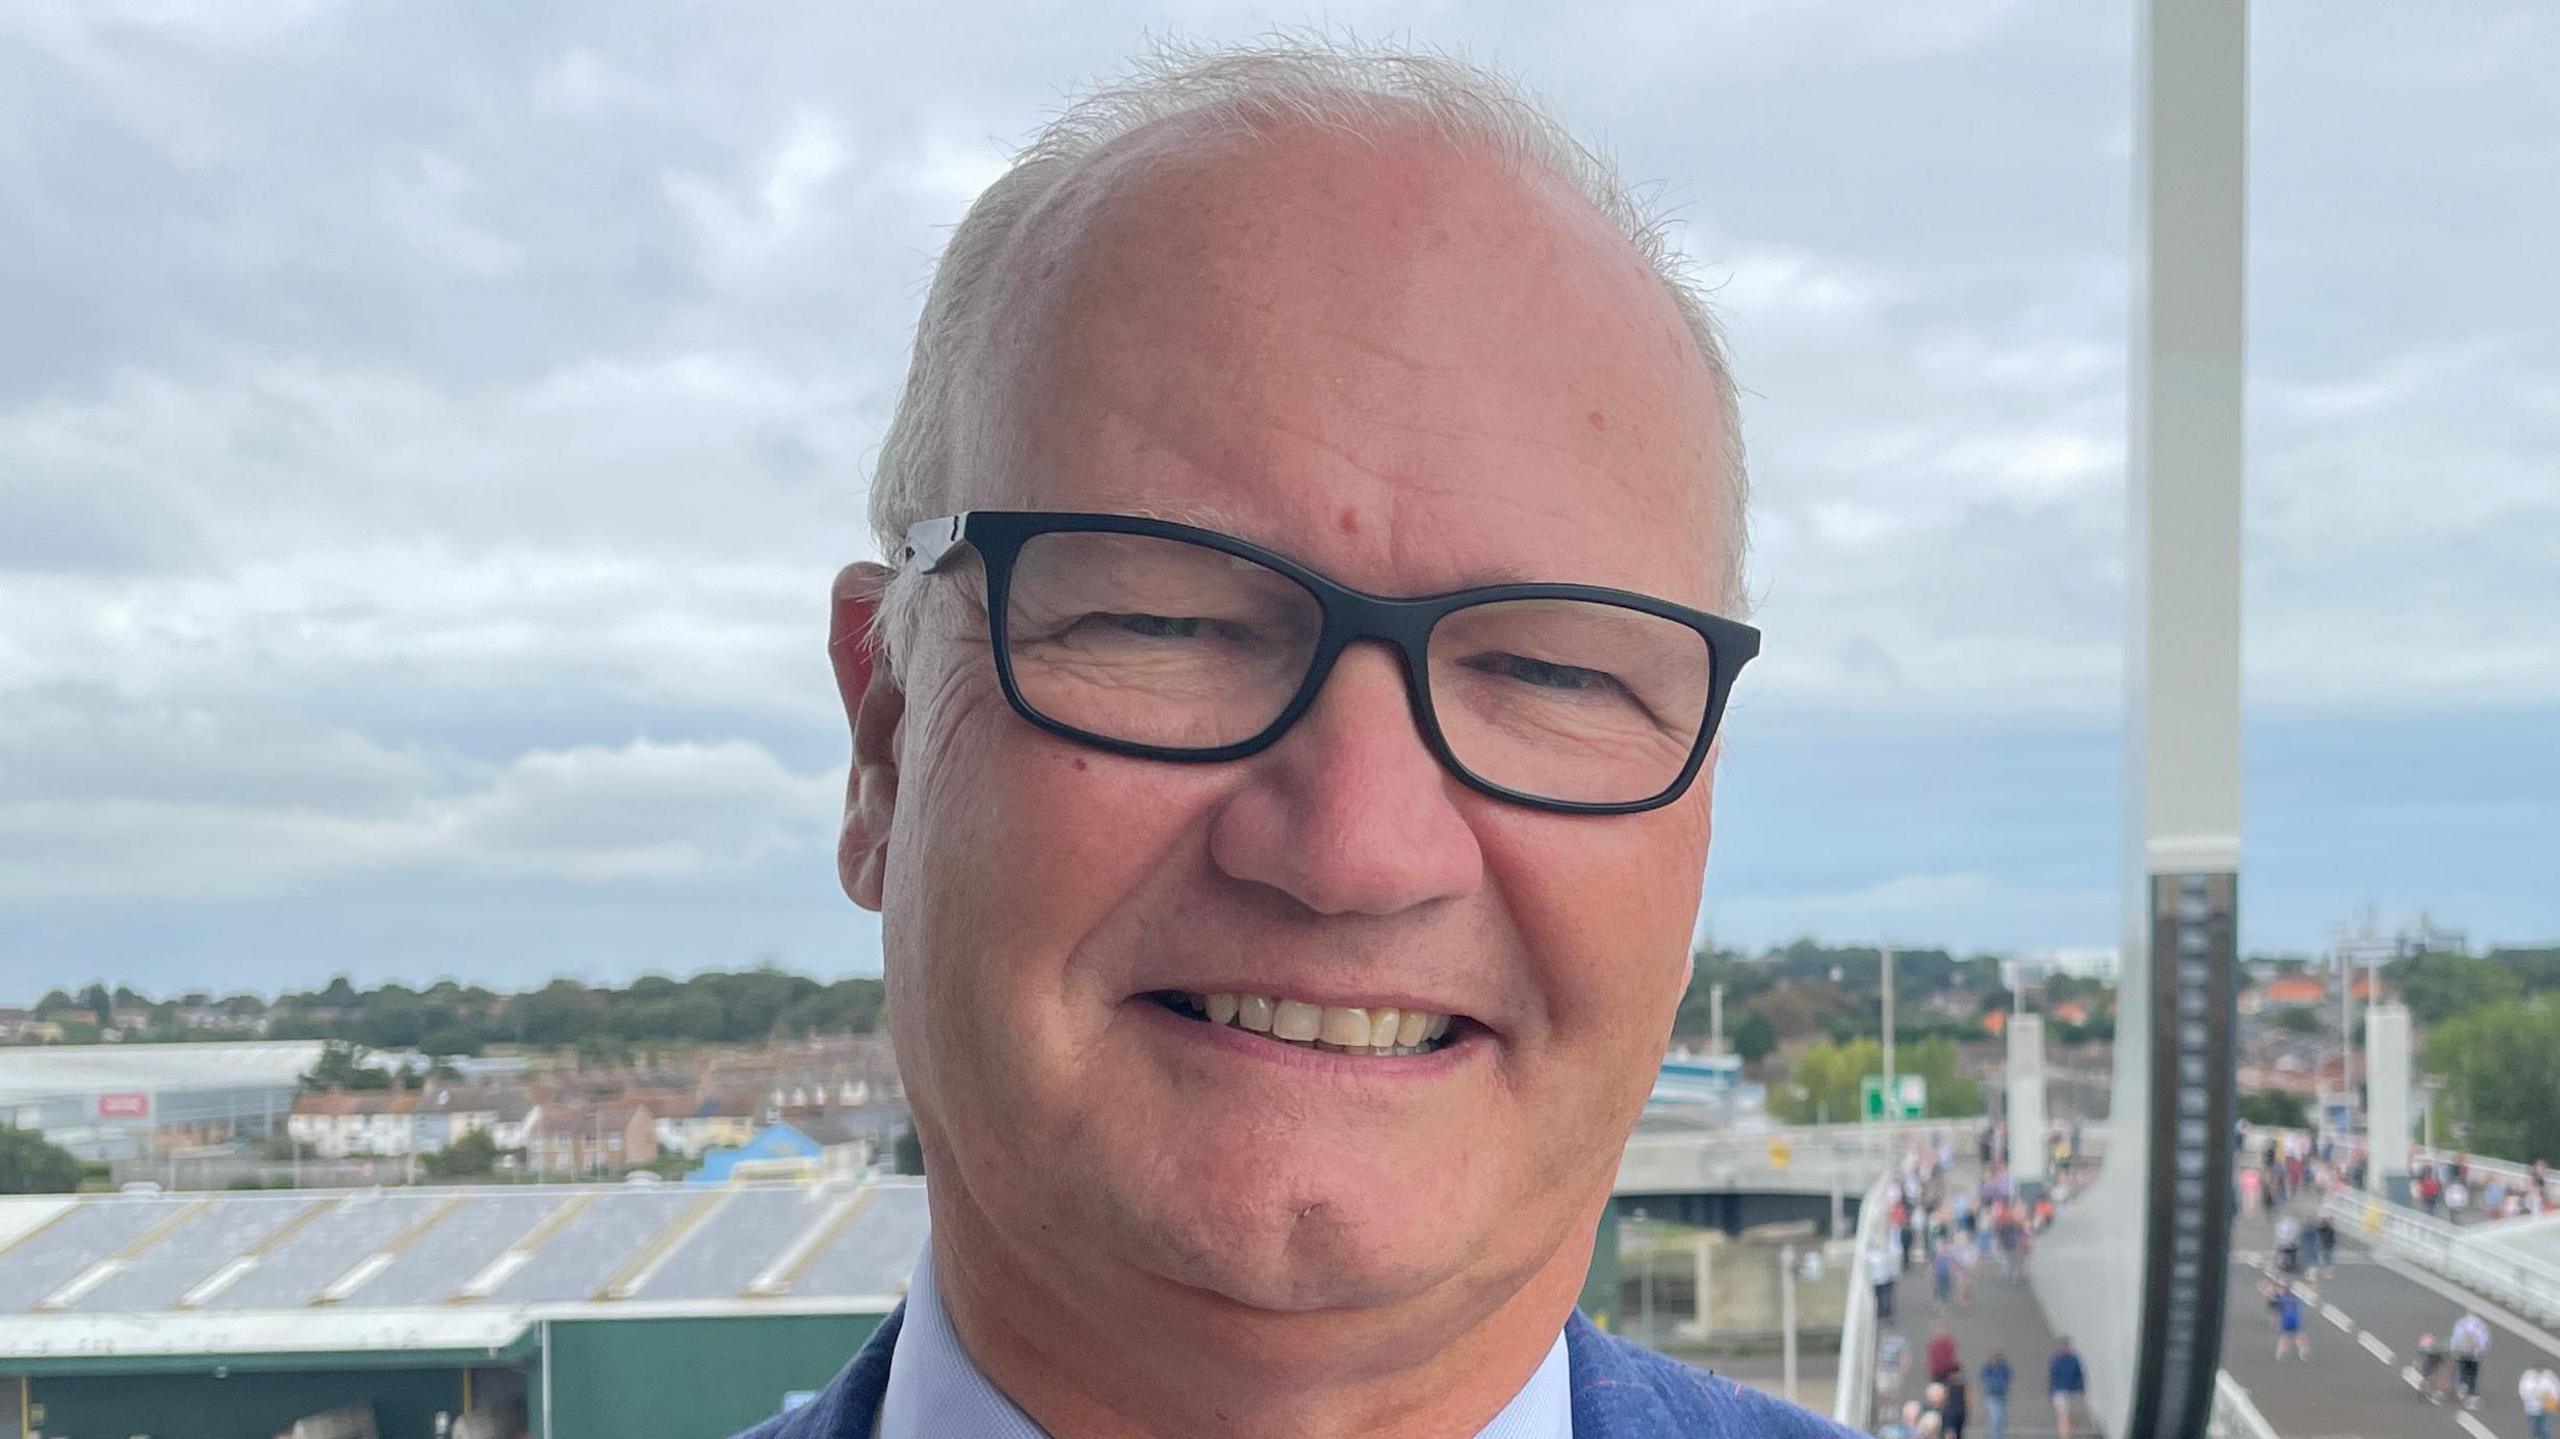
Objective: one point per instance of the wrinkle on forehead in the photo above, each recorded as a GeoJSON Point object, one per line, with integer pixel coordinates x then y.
{"type": "Point", "coordinates": [1317, 314]}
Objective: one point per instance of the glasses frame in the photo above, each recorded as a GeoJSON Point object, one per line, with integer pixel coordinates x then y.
{"type": "Point", "coordinates": [1403, 625]}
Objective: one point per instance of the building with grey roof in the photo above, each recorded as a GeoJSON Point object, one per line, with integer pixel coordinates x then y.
{"type": "Point", "coordinates": [579, 1311]}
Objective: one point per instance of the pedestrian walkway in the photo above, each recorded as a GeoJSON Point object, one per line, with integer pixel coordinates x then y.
{"type": "Point", "coordinates": [2368, 1312]}
{"type": "Point", "coordinates": [2001, 1316]}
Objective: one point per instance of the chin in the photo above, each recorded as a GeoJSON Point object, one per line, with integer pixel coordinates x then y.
{"type": "Point", "coordinates": [1294, 1238]}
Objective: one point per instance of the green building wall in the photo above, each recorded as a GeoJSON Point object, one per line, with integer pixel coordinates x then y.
{"type": "Point", "coordinates": [254, 1405]}
{"type": "Point", "coordinates": [1600, 1283]}
{"type": "Point", "coordinates": [687, 1378]}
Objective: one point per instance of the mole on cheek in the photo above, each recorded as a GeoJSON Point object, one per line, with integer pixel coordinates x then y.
{"type": "Point", "coordinates": [1599, 421]}
{"type": "Point", "coordinates": [1349, 523]}
{"type": "Point", "coordinates": [1079, 761]}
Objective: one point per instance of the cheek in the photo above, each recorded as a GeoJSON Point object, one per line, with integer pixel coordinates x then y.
{"type": "Point", "coordinates": [1608, 907]}
{"type": "Point", "coordinates": [1014, 847]}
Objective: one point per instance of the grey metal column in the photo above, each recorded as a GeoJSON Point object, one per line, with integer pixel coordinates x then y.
{"type": "Point", "coordinates": [2149, 1318]}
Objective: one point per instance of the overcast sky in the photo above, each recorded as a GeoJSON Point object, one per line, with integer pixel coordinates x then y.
{"type": "Point", "coordinates": [427, 432]}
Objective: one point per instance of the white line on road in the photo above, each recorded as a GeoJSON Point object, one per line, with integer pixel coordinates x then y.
{"type": "Point", "coordinates": [2374, 1347]}
{"type": "Point", "coordinates": [2409, 1376]}
{"type": "Point", "coordinates": [2523, 1329]}
{"type": "Point", "coordinates": [2478, 1429]}
{"type": "Point", "coordinates": [2338, 1316]}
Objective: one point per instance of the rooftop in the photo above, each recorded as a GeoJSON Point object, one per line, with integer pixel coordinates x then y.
{"type": "Point", "coordinates": [126, 1276]}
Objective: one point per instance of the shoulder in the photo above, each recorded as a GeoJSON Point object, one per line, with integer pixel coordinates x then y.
{"type": "Point", "coordinates": [1622, 1391]}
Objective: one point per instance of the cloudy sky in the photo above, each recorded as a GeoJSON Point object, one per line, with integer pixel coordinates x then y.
{"type": "Point", "coordinates": [427, 432]}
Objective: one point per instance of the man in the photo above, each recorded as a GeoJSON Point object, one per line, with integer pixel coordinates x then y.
{"type": "Point", "coordinates": [1285, 906]}
{"type": "Point", "coordinates": [2067, 1382]}
{"type": "Point", "coordinates": [1995, 1394]}
{"type": "Point", "coordinates": [2470, 1345]}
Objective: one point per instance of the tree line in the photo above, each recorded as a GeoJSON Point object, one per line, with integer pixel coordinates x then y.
{"type": "Point", "coordinates": [452, 1018]}
{"type": "Point", "coordinates": [2493, 1035]}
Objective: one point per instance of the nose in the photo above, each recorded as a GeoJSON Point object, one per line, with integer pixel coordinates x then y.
{"type": "Point", "coordinates": [1350, 813]}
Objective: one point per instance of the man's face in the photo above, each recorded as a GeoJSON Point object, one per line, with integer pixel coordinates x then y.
{"type": "Point", "coordinates": [1412, 374]}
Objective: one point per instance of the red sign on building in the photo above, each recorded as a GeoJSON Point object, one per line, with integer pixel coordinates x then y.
{"type": "Point", "coordinates": [124, 1106]}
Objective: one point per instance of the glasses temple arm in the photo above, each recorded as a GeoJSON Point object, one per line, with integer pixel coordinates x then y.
{"type": "Point", "coordinates": [931, 543]}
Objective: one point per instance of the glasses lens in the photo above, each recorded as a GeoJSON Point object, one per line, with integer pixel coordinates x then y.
{"type": "Point", "coordinates": [1155, 641]}
{"type": "Point", "coordinates": [1574, 700]}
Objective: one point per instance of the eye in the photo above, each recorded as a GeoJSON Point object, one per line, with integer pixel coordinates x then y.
{"type": "Point", "coordinates": [1166, 627]}
{"type": "Point", "coordinates": [1543, 674]}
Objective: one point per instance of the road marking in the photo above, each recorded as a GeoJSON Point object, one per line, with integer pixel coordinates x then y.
{"type": "Point", "coordinates": [2524, 1329]}
{"type": "Point", "coordinates": [2478, 1429]}
{"type": "Point", "coordinates": [2338, 1316]}
{"type": "Point", "coordinates": [2374, 1347]}
{"type": "Point", "coordinates": [2409, 1376]}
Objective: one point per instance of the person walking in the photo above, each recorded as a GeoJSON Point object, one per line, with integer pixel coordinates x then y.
{"type": "Point", "coordinates": [2327, 1230]}
{"type": "Point", "coordinates": [1942, 1352]}
{"type": "Point", "coordinates": [1995, 1396]}
{"type": "Point", "coordinates": [2067, 1382]}
{"type": "Point", "coordinates": [2431, 1369]}
{"type": "Point", "coordinates": [1884, 1265]}
{"type": "Point", "coordinates": [2289, 1325]}
{"type": "Point", "coordinates": [1957, 1407]}
{"type": "Point", "coordinates": [2539, 1390]}
{"type": "Point", "coordinates": [2470, 1346]}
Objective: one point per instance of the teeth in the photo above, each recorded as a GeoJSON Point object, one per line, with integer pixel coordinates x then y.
{"type": "Point", "coordinates": [1346, 1027]}
{"type": "Point", "coordinates": [1296, 1019]}
{"type": "Point", "coordinates": [1384, 1030]}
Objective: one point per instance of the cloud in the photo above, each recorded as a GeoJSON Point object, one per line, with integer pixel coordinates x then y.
{"type": "Point", "coordinates": [424, 447]}
{"type": "Point", "coordinates": [672, 815]}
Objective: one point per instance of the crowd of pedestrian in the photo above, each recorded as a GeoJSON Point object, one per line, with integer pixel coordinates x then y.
{"type": "Point", "coordinates": [2453, 1188]}
{"type": "Point", "coordinates": [1953, 1231]}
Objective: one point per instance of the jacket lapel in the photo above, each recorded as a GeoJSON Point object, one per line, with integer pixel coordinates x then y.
{"type": "Point", "coordinates": [848, 1406]}
{"type": "Point", "coordinates": [1609, 1397]}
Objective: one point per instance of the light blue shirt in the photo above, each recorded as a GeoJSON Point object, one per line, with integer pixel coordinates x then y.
{"type": "Point", "coordinates": [936, 1392]}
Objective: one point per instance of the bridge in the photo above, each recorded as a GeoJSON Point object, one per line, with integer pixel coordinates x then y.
{"type": "Point", "coordinates": [2400, 1273]}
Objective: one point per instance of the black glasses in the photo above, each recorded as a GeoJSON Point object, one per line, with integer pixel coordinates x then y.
{"type": "Point", "coordinates": [1165, 641]}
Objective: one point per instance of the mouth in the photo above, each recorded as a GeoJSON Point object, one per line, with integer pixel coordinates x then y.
{"type": "Point", "coordinates": [1377, 1032]}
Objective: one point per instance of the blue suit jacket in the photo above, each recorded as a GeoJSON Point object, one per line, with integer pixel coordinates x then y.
{"type": "Point", "coordinates": [1619, 1392]}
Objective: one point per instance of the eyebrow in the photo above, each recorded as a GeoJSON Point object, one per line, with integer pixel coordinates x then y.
{"type": "Point", "coordinates": [1210, 517]}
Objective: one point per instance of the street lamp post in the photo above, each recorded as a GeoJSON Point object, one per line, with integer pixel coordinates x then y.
{"type": "Point", "coordinates": [1787, 1317]}
{"type": "Point", "coordinates": [1888, 1027]}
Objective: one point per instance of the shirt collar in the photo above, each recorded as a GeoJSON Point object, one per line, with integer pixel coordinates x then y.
{"type": "Point", "coordinates": [936, 1392]}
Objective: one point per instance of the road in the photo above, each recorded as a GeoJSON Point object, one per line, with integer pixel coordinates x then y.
{"type": "Point", "coordinates": [2363, 1320]}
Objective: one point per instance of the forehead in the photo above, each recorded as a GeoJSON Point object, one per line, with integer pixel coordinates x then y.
{"type": "Point", "coordinates": [1402, 363]}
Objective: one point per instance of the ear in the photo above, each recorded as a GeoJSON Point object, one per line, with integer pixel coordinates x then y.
{"type": "Point", "coordinates": [874, 706]}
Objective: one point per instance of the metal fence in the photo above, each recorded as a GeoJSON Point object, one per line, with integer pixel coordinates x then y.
{"type": "Point", "coordinates": [2521, 1282]}
{"type": "Point", "coordinates": [1853, 1397]}
{"type": "Point", "coordinates": [2234, 1416]}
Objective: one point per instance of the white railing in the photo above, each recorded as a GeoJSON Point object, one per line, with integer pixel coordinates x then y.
{"type": "Point", "coordinates": [1853, 1397]}
{"type": "Point", "coordinates": [2234, 1417]}
{"type": "Point", "coordinates": [2521, 1282]}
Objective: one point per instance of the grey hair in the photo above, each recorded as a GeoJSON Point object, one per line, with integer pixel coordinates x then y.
{"type": "Point", "coordinates": [1254, 90]}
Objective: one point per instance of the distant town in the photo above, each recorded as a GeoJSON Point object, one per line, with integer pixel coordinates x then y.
{"type": "Point", "coordinates": [764, 1073]}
